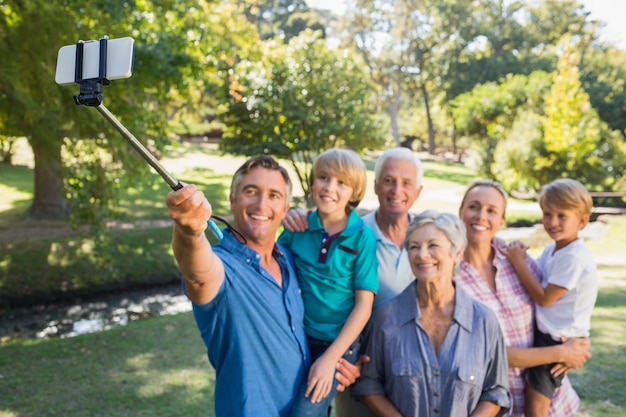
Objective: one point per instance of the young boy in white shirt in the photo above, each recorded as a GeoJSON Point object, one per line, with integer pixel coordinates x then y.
{"type": "Point", "coordinates": [566, 295]}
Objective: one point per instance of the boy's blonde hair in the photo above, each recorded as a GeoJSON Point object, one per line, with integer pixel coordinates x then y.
{"type": "Point", "coordinates": [346, 165]}
{"type": "Point", "coordinates": [568, 194]}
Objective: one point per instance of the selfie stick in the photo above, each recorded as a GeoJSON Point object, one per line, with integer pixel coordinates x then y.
{"type": "Point", "coordinates": [91, 95]}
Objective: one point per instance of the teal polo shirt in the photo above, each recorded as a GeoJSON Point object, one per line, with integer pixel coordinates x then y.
{"type": "Point", "coordinates": [329, 272]}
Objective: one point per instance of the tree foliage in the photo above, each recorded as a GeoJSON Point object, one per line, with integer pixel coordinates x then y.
{"type": "Point", "coordinates": [176, 47]}
{"type": "Point", "coordinates": [488, 112]}
{"type": "Point", "coordinates": [603, 76]}
{"type": "Point", "coordinates": [402, 42]}
{"type": "Point", "coordinates": [299, 100]}
{"type": "Point", "coordinates": [565, 139]}
{"type": "Point", "coordinates": [575, 142]}
{"type": "Point", "coordinates": [284, 18]}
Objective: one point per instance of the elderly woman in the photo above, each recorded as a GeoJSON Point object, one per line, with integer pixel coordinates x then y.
{"type": "Point", "coordinates": [487, 276]}
{"type": "Point", "coordinates": [434, 350]}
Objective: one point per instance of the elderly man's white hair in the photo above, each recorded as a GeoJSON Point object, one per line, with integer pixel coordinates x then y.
{"type": "Point", "coordinates": [402, 154]}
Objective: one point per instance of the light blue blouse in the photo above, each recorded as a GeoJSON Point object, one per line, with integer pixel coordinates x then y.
{"type": "Point", "coordinates": [471, 365]}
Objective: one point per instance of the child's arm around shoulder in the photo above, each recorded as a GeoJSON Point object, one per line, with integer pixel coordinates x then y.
{"type": "Point", "coordinates": [515, 252]}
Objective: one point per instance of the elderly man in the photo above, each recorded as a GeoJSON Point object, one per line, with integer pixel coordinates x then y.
{"type": "Point", "coordinates": [246, 299]}
{"type": "Point", "coordinates": [398, 184]}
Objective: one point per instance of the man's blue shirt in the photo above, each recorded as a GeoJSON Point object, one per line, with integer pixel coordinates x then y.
{"type": "Point", "coordinates": [254, 333]}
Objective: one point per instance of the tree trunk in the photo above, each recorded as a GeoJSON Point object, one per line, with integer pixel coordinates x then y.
{"type": "Point", "coordinates": [429, 119]}
{"type": "Point", "coordinates": [49, 201]}
{"type": "Point", "coordinates": [455, 134]}
{"type": "Point", "coordinates": [393, 107]}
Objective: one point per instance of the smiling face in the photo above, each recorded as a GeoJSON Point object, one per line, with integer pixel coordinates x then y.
{"type": "Point", "coordinates": [331, 195]}
{"type": "Point", "coordinates": [482, 211]}
{"type": "Point", "coordinates": [431, 254]}
{"type": "Point", "coordinates": [260, 204]}
{"type": "Point", "coordinates": [397, 187]}
{"type": "Point", "coordinates": [562, 224]}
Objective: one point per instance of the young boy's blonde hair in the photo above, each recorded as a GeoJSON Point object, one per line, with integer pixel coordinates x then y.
{"type": "Point", "coordinates": [568, 194]}
{"type": "Point", "coordinates": [346, 165]}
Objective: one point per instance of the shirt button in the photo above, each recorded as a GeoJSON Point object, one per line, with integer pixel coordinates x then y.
{"type": "Point", "coordinates": [293, 328]}
{"type": "Point", "coordinates": [324, 250]}
{"type": "Point", "coordinates": [436, 394]}
{"type": "Point", "coordinates": [248, 260]}
{"type": "Point", "coordinates": [436, 373]}
{"type": "Point", "coordinates": [257, 256]}
{"type": "Point", "coordinates": [436, 410]}
{"type": "Point", "coordinates": [472, 377]}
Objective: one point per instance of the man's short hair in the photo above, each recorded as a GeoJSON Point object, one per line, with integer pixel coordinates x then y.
{"type": "Point", "coordinates": [263, 161]}
{"type": "Point", "coordinates": [402, 154]}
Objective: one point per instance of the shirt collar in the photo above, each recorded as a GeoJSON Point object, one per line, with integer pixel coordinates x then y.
{"type": "Point", "coordinates": [370, 220]}
{"type": "Point", "coordinates": [233, 245]}
{"type": "Point", "coordinates": [408, 310]}
{"type": "Point", "coordinates": [463, 308]}
{"type": "Point", "coordinates": [352, 227]}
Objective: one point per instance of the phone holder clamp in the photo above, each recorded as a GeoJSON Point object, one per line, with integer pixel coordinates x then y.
{"type": "Point", "coordinates": [91, 88]}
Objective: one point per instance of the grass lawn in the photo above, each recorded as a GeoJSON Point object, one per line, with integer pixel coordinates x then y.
{"type": "Point", "coordinates": [158, 367]}
{"type": "Point", "coordinates": [155, 367]}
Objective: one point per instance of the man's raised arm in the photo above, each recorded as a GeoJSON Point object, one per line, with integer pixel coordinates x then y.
{"type": "Point", "coordinates": [202, 269]}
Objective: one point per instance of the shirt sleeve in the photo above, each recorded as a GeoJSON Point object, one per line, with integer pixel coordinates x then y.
{"type": "Point", "coordinates": [366, 273]}
{"type": "Point", "coordinates": [496, 386]}
{"type": "Point", "coordinates": [371, 381]}
{"type": "Point", "coordinates": [570, 269]}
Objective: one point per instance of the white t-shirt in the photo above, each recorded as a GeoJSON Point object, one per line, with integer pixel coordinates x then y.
{"type": "Point", "coordinates": [574, 269]}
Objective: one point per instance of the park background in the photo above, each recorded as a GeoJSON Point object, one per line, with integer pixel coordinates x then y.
{"type": "Point", "coordinates": [523, 92]}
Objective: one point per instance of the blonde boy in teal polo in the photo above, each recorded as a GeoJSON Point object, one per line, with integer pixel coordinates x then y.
{"type": "Point", "coordinates": [337, 269]}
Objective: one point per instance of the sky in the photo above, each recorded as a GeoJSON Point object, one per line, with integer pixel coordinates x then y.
{"type": "Point", "coordinates": [612, 12]}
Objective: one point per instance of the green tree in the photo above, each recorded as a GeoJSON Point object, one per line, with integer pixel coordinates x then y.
{"type": "Point", "coordinates": [603, 76]}
{"type": "Point", "coordinates": [488, 112]}
{"type": "Point", "coordinates": [401, 42]}
{"type": "Point", "coordinates": [177, 45]}
{"type": "Point", "coordinates": [285, 18]}
{"type": "Point", "coordinates": [299, 100]}
{"type": "Point", "coordinates": [575, 142]}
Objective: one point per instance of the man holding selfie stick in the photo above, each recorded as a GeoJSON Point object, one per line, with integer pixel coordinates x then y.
{"type": "Point", "coordinates": [246, 298]}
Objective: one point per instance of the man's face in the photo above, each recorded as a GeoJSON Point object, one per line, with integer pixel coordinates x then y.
{"type": "Point", "coordinates": [397, 187]}
{"type": "Point", "coordinates": [259, 204]}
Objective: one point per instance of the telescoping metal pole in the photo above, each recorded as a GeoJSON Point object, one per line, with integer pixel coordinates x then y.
{"type": "Point", "coordinates": [150, 159]}
{"type": "Point", "coordinates": [145, 153]}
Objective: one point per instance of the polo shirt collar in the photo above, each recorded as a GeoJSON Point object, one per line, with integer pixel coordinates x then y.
{"type": "Point", "coordinates": [352, 227]}
{"type": "Point", "coordinates": [374, 225]}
